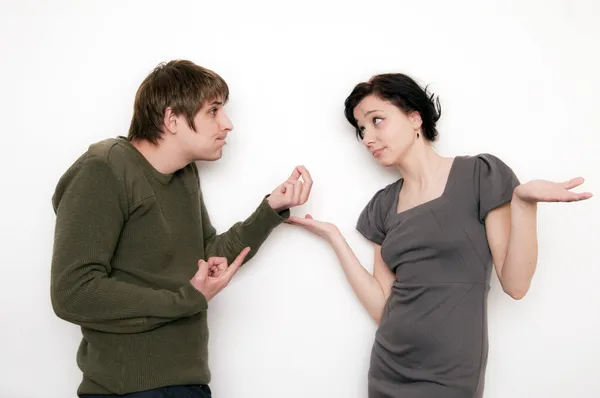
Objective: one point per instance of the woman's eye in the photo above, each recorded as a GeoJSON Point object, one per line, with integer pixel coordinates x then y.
{"type": "Point", "coordinates": [377, 120]}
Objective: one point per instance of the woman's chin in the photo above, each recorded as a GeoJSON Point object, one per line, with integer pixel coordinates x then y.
{"type": "Point", "coordinates": [385, 161]}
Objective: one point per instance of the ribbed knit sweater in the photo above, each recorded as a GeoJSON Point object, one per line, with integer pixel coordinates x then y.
{"type": "Point", "coordinates": [127, 241]}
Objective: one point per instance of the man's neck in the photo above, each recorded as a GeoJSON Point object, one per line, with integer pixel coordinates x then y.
{"type": "Point", "coordinates": [164, 159]}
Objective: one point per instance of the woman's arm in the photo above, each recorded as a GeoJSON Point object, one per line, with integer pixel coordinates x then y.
{"type": "Point", "coordinates": [371, 290]}
{"type": "Point", "coordinates": [512, 236]}
{"type": "Point", "coordinates": [512, 231]}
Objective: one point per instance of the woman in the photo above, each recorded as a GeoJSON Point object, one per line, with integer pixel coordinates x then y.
{"type": "Point", "coordinates": [436, 233]}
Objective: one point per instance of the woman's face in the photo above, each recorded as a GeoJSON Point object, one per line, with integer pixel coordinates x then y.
{"type": "Point", "coordinates": [386, 131]}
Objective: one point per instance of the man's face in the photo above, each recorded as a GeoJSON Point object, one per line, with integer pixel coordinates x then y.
{"type": "Point", "coordinates": [212, 127]}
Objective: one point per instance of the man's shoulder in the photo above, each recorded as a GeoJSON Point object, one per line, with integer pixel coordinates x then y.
{"type": "Point", "coordinates": [102, 148]}
{"type": "Point", "coordinates": [95, 157]}
{"type": "Point", "coordinates": [114, 158]}
{"type": "Point", "coordinates": [114, 153]}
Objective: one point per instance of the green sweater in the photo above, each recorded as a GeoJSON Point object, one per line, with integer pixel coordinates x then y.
{"type": "Point", "coordinates": [127, 242]}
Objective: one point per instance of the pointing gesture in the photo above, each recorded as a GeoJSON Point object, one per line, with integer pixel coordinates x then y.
{"type": "Point", "coordinates": [214, 275]}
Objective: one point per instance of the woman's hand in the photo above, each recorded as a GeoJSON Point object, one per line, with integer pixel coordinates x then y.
{"type": "Point", "coordinates": [321, 228]}
{"type": "Point", "coordinates": [550, 191]}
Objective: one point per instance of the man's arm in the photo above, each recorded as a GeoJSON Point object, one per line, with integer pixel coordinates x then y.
{"type": "Point", "coordinates": [250, 233]}
{"type": "Point", "coordinates": [91, 209]}
{"type": "Point", "coordinates": [272, 211]}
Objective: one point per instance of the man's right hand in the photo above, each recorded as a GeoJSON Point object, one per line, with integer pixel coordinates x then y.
{"type": "Point", "coordinates": [214, 275]}
{"type": "Point", "coordinates": [293, 192]}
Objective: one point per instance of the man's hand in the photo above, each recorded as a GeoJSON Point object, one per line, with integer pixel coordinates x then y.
{"type": "Point", "coordinates": [216, 266]}
{"type": "Point", "coordinates": [214, 275]}
{"type": "Point", "coordinates": [293, 192]}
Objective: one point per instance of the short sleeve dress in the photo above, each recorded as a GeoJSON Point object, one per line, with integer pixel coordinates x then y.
{"type": "Point", "coordinates": [432, 339]}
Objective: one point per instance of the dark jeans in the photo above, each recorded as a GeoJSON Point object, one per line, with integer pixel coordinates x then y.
{"type": "Point", "coordinates": [192, 391]}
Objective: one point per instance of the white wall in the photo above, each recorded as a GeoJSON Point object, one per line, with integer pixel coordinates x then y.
{"type": "Point", "coordinates": [518, 80]}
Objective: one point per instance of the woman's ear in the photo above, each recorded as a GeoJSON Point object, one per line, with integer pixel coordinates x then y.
{"type": "Point", "coordinates": [415, 120]}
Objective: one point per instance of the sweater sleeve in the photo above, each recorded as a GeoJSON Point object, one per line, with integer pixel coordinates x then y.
{"type": "Point", "coordinates": [251, 232]}
{"type": "Point", "coordinates": [91, 207]}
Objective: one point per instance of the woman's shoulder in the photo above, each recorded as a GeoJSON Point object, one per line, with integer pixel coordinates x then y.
{"type": "Point", "coordinates": [388, 190]}
{"type": "Point", "coordinates": [482, 157]}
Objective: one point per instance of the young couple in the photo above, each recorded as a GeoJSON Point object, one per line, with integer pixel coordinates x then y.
{"type": "Point", "coordinates": [136, 259]}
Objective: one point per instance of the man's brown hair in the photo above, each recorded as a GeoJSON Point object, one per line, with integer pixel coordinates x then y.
{"type": "Point", "coordinates": [181, 85]}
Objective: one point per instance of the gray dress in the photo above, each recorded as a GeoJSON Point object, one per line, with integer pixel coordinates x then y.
{"type": "Point", "coordinates": [432, 339]}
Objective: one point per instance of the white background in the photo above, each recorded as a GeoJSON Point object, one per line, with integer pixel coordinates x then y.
{"type": "Point", "coordinates": [517, 80]}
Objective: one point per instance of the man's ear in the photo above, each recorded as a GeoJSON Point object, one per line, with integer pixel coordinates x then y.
{"type": "Point", "coordinates": [170, 121]}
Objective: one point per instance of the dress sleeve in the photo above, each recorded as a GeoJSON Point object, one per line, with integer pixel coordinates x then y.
{"type": "Point", "coordinates": [371, 220]}
{"type": "Point", "coordinates": [495, 182]}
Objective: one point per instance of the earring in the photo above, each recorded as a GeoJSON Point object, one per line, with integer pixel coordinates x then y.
{"type": "Point", "coordinates": [418, 135]}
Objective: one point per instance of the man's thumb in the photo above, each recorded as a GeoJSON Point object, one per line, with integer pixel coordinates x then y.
{"type": "Point", "coordinates": [202, 269]}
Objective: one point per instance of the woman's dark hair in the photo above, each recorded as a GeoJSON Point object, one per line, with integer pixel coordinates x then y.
{"type": "Point", "coordinates": [402, 91]}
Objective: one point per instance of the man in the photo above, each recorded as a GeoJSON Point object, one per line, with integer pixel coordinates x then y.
{"type": "Point", "coordinates": [136, 259]}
